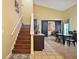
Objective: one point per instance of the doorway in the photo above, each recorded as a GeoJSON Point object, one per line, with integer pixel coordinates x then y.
{"type": "Point", "coordinates": [49, 26]}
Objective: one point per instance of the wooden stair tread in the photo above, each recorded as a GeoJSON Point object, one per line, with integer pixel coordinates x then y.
{"type": "Point", "coordinates": [22, 46]}
{"type": "Point", "coordinates": [23, 42]}
{"type": "Point", "coordinates": [23, 38]}
{"type": "Point", "coordinates": [19, 44]}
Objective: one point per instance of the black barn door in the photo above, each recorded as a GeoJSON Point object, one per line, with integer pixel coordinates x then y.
{"type": "Point", "coordinates": [58, 26]}
{"type": "Point", "coordinates": [45, 27]}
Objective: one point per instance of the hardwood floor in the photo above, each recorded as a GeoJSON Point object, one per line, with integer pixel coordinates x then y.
{"type": "Point", "coordinates": [64, 50]}
{"type": "Point", "coordinates": [52, 50]}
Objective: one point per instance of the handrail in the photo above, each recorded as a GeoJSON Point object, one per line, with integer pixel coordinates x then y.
{"type": "Point", "coordinates": [16, 25]}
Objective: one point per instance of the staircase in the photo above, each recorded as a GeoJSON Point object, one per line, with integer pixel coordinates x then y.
{"type": "Point", "coordinates": [23, 42]}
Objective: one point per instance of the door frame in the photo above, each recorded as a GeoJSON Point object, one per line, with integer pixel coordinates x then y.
{"type": "Point", "coordinates": [51, 20]}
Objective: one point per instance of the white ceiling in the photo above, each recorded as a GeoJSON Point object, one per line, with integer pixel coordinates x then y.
{"type": "Point", "coordinates": [56, 4]}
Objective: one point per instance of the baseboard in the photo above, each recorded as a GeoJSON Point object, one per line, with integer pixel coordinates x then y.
{"type": "Point", "coordinates": [16, 25]}
{"type": "Point", "coordinates": [16, 36]}
{"type": "Point", "coordinates": [16, 28]}
{"type": "Point", "coordinates": [9, 55]}
{"type": "Point", "coordinates": [13, 44]}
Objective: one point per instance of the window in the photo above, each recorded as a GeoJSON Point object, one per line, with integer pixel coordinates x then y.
{"type": "Point", "coordinates": [66, 28]}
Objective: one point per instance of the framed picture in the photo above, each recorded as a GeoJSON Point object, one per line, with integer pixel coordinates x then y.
{"type": "Point", "coordinates": [16, 6]}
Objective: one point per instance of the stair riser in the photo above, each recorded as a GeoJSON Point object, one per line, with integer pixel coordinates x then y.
{"type": "Point", "coordinates": [23, 38]}
{"type": "Point", "coordinates": [21, 51]}
{"type": "Point", "coordinates": [24, 30]}
{"type": "Point", "coordinates": [22, 45]}
{"type": "Point", "coordinates": [28, 27]}
{"type": "Point", "coordinates": [24, 33]}
{"type": "Point", "coordinates": [14, 52]}
{"type": "Point", "coordinates": [23, 42]}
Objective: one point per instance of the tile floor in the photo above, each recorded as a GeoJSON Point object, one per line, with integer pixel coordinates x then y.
{"type": "Point", "coordinates": [52, 50]}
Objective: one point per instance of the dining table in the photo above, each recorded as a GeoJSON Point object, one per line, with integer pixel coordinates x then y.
{"type": "Point", "coordinates": [64, 37]}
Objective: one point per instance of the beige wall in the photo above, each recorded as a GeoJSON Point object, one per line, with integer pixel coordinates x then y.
{"type": "Point", "coordinates": [71, 14]}
{"type": "Point", "coordinates": [44, 13]}
{"type": "Point", "coordinates": [27, 10]}
{"type": "Point", "coordinates": [10, 22]}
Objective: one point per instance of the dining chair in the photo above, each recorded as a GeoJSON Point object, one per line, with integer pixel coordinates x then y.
{"type": "Point", "coordinates": [73, 38]}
